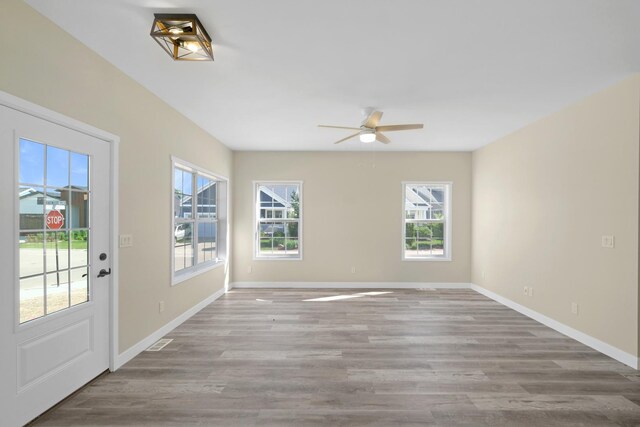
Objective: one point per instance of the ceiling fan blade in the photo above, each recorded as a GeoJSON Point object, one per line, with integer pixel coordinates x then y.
{"type": "Point", "coordinates": [349, 137]}
{"type": "Point", "coordinates": [391, 128]}
{"type": "Point", "coordinates": [380, 137]}
{"type": "Point", "coordinates": [337, 127]}
{"type": "Point", "coordinates": [373, 119]}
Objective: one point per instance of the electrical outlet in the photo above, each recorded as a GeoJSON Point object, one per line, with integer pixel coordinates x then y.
{"type": "Point", "coordinates": [607, 241]}
{"type": "Point", "coordinates": [574, 308]}
{"type": "Point", "coordinates": [160, 306]}
{"type": "Point", "coordinates": [530, 291]}
{"type": "Point", "coordinates": [250, 269]}
{"type": "Point", "coordinates": [526, 290]}
{"type": "Point", "coordinates": [126, 240]}
{"type": "Point", "coordinates": [482, 274]}
{"type": "Point", "coordinates": [353, 270]}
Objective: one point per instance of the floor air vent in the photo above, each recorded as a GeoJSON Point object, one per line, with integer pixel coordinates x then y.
{"type": "Point", "coordinates": [160, 344]}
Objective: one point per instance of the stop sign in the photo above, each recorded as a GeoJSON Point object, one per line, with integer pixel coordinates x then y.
{"type": "Point", "coordinates": [55, 220]}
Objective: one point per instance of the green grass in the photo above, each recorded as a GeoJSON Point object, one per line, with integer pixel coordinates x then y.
{"type": "Point", "coordinates": [435, 243]}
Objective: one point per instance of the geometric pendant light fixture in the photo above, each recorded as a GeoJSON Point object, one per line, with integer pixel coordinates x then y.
{"type": "Point", "coordinates": [182, 36]}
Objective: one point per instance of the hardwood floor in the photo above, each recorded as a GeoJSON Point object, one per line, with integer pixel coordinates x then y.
{"type": "Point", "coordinates": [385, 358]}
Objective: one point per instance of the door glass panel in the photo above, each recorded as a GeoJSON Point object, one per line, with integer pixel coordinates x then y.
{"type": "Point", "coordinates": [31, 254]}
{"type": "Point", "coordinates": [79, 286]}
{"type": "Point", "coordinates": [31, 162]}
{"type": "Point", "coordinates": [79, 248]}
{"type": "Point", "coordinates": [79, 171]}
{"type": "Point", "coordinates": [31, 298]}
{"type": "Point", "coordinates": [79, 209]}
{"type": "Point", "coordinates": [57, 291]}
{"type": "Point", "coordinates": [57, 167]}
{"type": "Point", "coordinates": [56, 200]}
{"type": "Point", "coordinates": [57, 250]}
{"type": "Point", "coordinates": [31, 201]}
{"type": "Point", "coordinates": [54, 197]}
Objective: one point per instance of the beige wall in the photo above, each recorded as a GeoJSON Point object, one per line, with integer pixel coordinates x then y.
{"type": "Point", "coordinates": [45, 65]}
{"type": "Point", "coordinates": [352, 215]}
{"type": "Point", "coordinates": [542, 199]}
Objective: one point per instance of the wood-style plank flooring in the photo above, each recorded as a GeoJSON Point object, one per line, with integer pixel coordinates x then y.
{"type": "Point", "coordinates": [375, 358]}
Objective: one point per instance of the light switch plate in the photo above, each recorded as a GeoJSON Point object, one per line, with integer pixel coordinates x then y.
{"type": "Point", "coordinates": [607, 241]}
{"type": "Point", "coordinates": [126, 240]}
{"type": "Point", "coordinates": [574, 308]}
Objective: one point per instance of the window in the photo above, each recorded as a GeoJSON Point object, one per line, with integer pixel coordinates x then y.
{"type": "Point", "coordinates": [278, 220]}
{"type": "Point", "coordinates": [53, 203]}
{"type": "Point", "coordinates": [426, 223]}
{"type": "Point", "coordinates": [199, 226]}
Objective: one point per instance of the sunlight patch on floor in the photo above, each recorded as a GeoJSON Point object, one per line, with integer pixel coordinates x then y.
{"type": "Point", "coordinates": [342, 297]}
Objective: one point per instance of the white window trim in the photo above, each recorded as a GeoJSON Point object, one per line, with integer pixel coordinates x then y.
{"type": "Point", "coordinates": [198, 269]}
{"type": "Point", "coordinates": [256, 216]}
{"type": "Point", "coordinates": [448, 220]}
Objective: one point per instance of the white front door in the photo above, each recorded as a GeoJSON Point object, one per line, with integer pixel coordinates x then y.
{"type": "Point", "coordinates": [54, 242]}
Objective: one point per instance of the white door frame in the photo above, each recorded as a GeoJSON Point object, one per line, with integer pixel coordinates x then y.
{"type": "Point", "coordinates": [43, 113]}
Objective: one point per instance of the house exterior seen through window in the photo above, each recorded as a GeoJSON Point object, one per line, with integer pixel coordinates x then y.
{"type": "Point", "coordinates": [199, 220]}
{"type": "Point", "coordinates": [278, 220]}
{"type": "Point", "coordinates": [426, 223]}
{"type": "Point", "coordinates": [54, 195]}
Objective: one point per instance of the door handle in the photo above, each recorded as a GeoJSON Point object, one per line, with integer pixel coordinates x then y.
{"type": "Point", "coordinates": [104, 272]}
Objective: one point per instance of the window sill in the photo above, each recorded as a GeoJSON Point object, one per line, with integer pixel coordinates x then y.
{"type": "Point", "coordinates": [437, 259]}
{"type": "Point", "coordinates": [195, 271]}
{"type": "Point", "coordinates": [276, 258]}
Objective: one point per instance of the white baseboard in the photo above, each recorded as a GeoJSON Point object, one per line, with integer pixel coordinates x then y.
{"type": "Point", "coordinates": [588, 340]}
{"type": "Point", "coordinates": [145, 343]}
{"type": "Point", "coordinates": [351, 285]}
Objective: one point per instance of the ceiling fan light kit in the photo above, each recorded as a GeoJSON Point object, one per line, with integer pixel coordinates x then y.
{"type": "Point", "coordinates": [182, 36]}
{"type": "Point", "coordinates": [367, 136]}
{"type": "Point", "coordinates": [369, 131]}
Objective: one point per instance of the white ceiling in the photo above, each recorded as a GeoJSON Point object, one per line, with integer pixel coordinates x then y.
{"type": "Point", "coordinates": [471, 71]}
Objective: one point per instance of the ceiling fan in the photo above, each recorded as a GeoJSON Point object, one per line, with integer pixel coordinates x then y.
{"type": "Point", "coordinates": [369, 130]}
